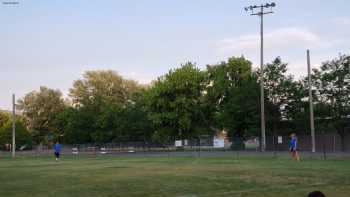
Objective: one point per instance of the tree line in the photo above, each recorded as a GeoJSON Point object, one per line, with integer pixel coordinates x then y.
{"type": "Point", "coordinates": [185, 103]}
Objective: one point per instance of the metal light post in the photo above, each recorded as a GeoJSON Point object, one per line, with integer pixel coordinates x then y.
{"type": "Point", "coordinates": [261, 13]}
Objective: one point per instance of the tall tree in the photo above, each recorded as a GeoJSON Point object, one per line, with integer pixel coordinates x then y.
{"type": "Point", "coordinates": [278, 91]}
{"type": "Point", "coordinates": [174, 103]}
{"type": "Point", "coordinates": [4, 118]}
{"type": "Point", "coordinates": [40, 109]}
{"type": "Point", "coordinates": [23, 137]}
{"type": "Point", "coordinates": [296, 108]}
{"type": "Point", "coordinates": [104, 104]}
{"type": "Point", "coordinates": [332, 81]}
{"type": "Point", "coordinates": [100, 86]}
{"type": "Point", "coordinates": [233, 96]}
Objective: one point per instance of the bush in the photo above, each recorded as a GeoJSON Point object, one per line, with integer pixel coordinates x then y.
{"type": "Point", "coordinates": [23, 137]}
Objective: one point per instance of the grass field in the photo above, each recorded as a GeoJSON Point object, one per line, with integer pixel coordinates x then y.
{"type": "Point", "coordinates": [174, 176]}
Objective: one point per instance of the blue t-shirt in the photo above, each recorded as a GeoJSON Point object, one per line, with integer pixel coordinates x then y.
{"type": "Point", "coordinates": [57, 148]}
{"type": "Point", "coordinates": [293, 143]}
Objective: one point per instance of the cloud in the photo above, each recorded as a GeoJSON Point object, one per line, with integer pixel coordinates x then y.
{"type": "Point", "coordinates": [342, 20]}
{"type": "Point", "coordinates": [142, 78]}
{"type": "Point", "coordinates": [289, 43]}
{"type": "Point", "coordinates": [278, 39]}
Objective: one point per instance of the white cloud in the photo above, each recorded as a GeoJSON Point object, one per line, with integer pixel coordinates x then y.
{"type": "Point", "coordinates": [289, 43]}
{"type": "Point", "coordinates": [142, 78]}
{"type": "Point", "coordinates": [342, 20]}
{"type": "Point", "coordinates": [279, 39]}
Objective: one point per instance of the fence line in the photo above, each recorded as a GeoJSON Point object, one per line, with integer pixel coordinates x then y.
{"type": "Point", "coordinates": [324, 143]}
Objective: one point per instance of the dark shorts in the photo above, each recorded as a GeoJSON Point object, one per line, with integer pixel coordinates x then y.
{"type": "Point", "coordinates": [57, 154]}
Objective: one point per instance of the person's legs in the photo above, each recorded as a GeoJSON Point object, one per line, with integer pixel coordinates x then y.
{"type": "Point", "coordinates": [57, 155]}
{"type": "Point", "coordinates": [297, 157]}
{"type": "Point", "coordinates": [291, 154]}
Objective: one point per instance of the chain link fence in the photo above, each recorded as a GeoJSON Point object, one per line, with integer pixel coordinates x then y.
{"type": "Point", "coordinates": [324, 143]}
{"type": "Point", "coordinates": [209, 145]}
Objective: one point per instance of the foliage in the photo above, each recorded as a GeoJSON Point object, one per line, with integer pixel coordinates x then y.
{"type": "Point", "coordinates": [102, 86]}
{"type": "Point", "coordinates": [4, 118]}
{"type": "Point", "coordinates": [105, 121]}
{"type": "Point", "coordinates": [332, 82]}
{"type": "Point", "coordinates": [188, 102]}
{"type": "Point", "coordinates": [281, 93]}
{"type": "Point", "coordinates": [40, 109]}
{"type": "Point", "coordinates": [175, 103]}
{"type": "Point", "coordinates": [233, 95]}
{"type": "Point", "coordinates": [23, 137]}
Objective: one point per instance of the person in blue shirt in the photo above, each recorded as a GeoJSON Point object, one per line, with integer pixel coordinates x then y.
{"type": "Point", "coordinates": [293, 147]}
{"type": "Point", "coordinates": [57, 149]}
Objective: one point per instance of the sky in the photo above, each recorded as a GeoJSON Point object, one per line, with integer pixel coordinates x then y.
{"type": "Point", "coordinates": [52, 43]}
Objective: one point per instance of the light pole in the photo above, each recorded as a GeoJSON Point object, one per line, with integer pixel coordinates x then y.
{"type": "Point", "coordinates": [261, 13]}
{"type": "Point", "coordinates": [13, 126]}
{"type": "Point", "coordinates": [312, 123]}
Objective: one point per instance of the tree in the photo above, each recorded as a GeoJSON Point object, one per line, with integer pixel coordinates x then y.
{"type": "Point", "coordinates": [174, 103]}
{"type": "Point", "coordinates": [332, 81]}
{"type": "Point", "coordinates": [106, 122]}
{"type": "Point", "coordinates": [23, 137]}
{"type": "Point", "coordinates": [278, 91]}
{"type": "Point", "coordinates": [234, 97]}
{"type": "Point", "coordinates": [4, 118]}
{"type": "Point", "coordinates": [101, 86]}
{"type": "Point", "coordinates": [75, 125]}
{"type": "Point", "coordinates": [296, 108]}
{"type": "Point", "coordinates": [40, 109]}
{"type": "Point", "coordinates": [104, 103]}
{"type": "Point", "coordinates": [132, 121]}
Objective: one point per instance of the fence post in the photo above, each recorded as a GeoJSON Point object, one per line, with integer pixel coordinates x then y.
{"type": "Point", "coordinates": [199, 152]}
{"type": "Point", "coordinates": [274, 146]}
{"type": "Point", "coordinates": [324, 151]}
{"type": "Point", "coordinates": [334, 143]}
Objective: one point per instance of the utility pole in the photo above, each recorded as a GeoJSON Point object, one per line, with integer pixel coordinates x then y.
{"type": "Point", "coordinates": [312, 123]}
{"type": "Point", "coordinates": [13, 126]}
{"type": "Point", "coordinates": [261, 13]}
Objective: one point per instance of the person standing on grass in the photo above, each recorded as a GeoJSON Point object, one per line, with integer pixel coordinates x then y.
{"type": "Point", "coordinates": [57, 149]}
{"type": "Point", "coordinates": [293, 147]}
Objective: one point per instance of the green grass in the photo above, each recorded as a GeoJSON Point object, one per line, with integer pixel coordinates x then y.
{"type": "Point", "coordinates": [177, 176]}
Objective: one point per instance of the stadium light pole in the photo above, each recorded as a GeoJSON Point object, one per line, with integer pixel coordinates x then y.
{"type": "Point", "coordinates": [261, 14]}
{"type": "Point", "coordinates": [312, 123]}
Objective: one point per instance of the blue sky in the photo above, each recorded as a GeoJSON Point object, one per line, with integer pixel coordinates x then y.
{"type": "Point", "coordinates": [53, 42]}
